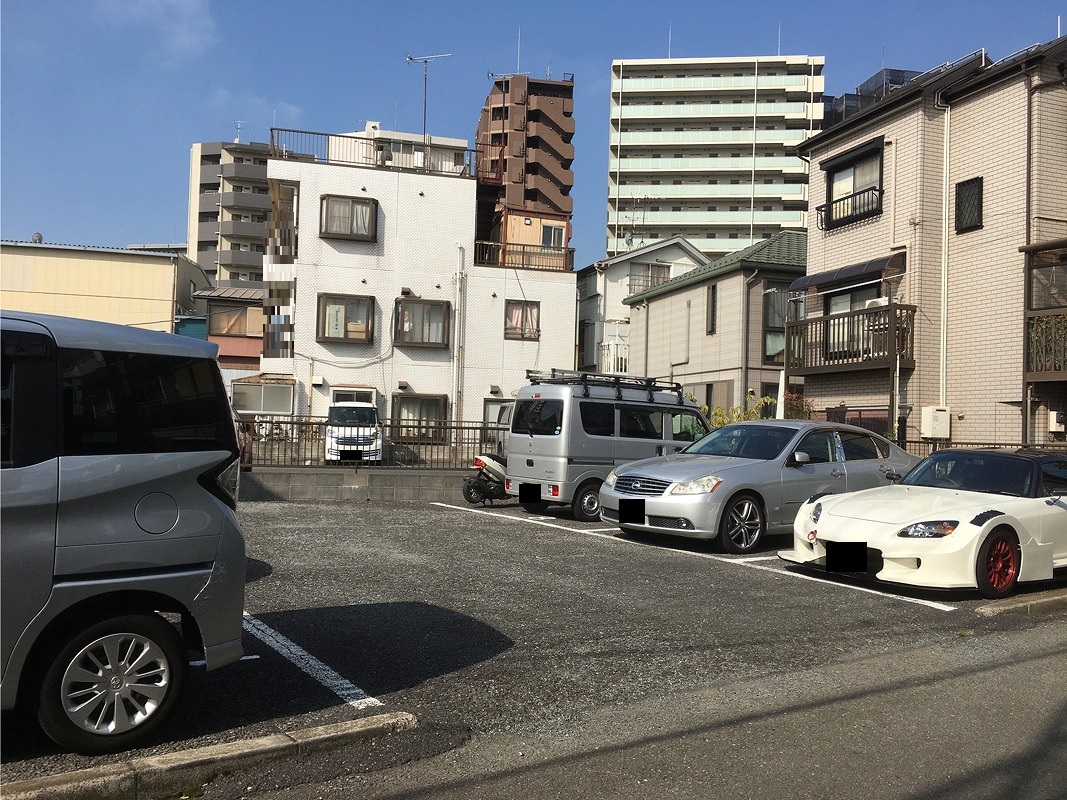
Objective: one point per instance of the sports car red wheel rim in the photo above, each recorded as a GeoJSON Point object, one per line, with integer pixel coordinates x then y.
{"type": "Point", "coordinates": [1001, 563]}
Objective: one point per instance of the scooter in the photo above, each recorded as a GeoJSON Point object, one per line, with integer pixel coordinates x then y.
{"type": "Point", "coordinates": [488, 483]}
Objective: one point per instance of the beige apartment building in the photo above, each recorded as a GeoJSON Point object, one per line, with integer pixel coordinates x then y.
{"type": "Point", "coordinates": [127, 287]}
{"type": "Point", "coordinates": [935, 301]}
{"type": "Point", "coordinates": [719, 329]}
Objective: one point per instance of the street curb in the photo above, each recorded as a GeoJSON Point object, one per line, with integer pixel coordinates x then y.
{"type": "Point", "coordinates": [148, 777]}
{"type": "Point", "coordinates": [1041, 603]}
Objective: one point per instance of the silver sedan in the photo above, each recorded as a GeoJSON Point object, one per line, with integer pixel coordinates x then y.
{"type": "Point", "coordinates": [747, 479]}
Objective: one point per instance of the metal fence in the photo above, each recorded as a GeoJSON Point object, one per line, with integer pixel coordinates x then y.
{"type": "Point", "coordinates": [301, 442]}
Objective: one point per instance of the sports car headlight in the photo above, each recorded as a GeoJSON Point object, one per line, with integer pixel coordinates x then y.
{"type": "Point", "coordinates": [816, 512]}
{"type": "Point", "coordinates": [929, 530]}
{"type": "Point", "coordinates": [705, 485]}
{"type": "Point", "coordinates": [610, 479]}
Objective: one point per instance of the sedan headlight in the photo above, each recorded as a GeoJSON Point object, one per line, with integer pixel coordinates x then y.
{"type": "Point", "coordinates": [609, 481]}
{"type": "Point", "coordinates": [705, 485]}
{"type": "Point", "coordinates": [935, 529]}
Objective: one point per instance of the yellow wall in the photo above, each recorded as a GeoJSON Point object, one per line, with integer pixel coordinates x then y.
{"type": "Point", "coordinates": [111, 287]}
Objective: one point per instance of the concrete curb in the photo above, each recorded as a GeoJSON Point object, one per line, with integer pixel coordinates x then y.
{"type": "Point", "coordinates": [1042, 603]}
{"type": "Point", "coordinates": [153, 776]}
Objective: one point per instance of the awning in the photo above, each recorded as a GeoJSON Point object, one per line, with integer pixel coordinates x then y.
{"type": "Point", "coordinates": [849, 274]}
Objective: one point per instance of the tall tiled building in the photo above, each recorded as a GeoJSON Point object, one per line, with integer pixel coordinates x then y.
{"type": "Point", "coordinates": [228, 209]}
{"type": "Point", "coordinates": [523, 141]}
{"type": "Point", "coordinates": [704, 148]}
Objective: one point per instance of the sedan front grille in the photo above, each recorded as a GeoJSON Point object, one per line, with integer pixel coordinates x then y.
{"type": "Point", "coordinates": [638, 484]}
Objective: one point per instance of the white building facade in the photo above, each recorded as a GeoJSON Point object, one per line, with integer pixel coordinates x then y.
{"type": "Point", "coordinates": [703, 148]}
{"type": "Point", "coordinates": [372, 288]}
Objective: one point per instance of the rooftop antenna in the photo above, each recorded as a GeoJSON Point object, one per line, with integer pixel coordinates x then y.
{"type": "Point", "coordinates": [669, 32]}
{"type": "Point", "coordinates": [425, 61]}
{"type": "Point", "coordinates": [518, 50]}
{"type": "Point", "coordinates": [238, 125]}
{"type": "Point", "coordinates": [779, 38]}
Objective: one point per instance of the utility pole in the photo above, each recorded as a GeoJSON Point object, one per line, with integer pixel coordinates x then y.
{"type": "Point", "coordinates": [425, 61]}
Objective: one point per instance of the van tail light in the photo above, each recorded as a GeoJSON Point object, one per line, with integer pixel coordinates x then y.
{"type": "Point", "coordinates": [224, 481]}
{"type": "Point", "coordinates": [553, 491]}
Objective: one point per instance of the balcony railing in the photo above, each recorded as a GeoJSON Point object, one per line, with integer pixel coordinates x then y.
{"type": "Point", "coordinates": [528, 256]}
{"type": "Point", "coordinates": [613, 358]}
{"type": "Point", "coordinates": [1046, 347]}
{"type": "Point", "coordinates": [379, 151]}
{"type": "Point", "coordinates": [874, 338]}
{"type": "Point", "coordinates": [852, 208]}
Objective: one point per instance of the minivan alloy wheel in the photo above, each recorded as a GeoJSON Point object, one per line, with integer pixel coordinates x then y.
{"type": "Point", "coordinates": [112, 684]}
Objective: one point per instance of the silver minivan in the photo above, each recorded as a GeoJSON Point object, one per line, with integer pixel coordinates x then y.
{"type": "Point", "coordinates": [570, 429]}
{"type": "Point", "coordinates": [120, 547]}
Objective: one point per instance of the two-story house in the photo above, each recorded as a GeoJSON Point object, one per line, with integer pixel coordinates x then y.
{"type": "Point", "coordinates": [719, 330]}
{"type": "Point", "coordinates": [603, 317]}
{"type": "Point", "coordinates": [373, 288]}
{"type": "Point", "coordinates": [935, 302]}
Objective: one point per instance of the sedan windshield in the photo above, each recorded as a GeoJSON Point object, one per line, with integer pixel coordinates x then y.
{"type": "Point", "coordinates": [744, 441]}
{"type": "Point", "coordinates": [974, 472]}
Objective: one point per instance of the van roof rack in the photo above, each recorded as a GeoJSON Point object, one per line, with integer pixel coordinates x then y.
{"type": "Point", "coordinates": [618, 382]}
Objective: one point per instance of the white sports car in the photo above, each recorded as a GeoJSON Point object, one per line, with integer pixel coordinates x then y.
{"type": "Point", "coordinates": [982, 519]}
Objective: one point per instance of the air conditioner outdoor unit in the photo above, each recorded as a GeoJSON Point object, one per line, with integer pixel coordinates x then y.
{"type": "Point", "coordinates": [877, 302]}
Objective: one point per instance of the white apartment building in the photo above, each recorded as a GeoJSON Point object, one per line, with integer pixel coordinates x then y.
{"type": "Point", "coordinates": [374, 289]}
{"type": "Point", "coordinates": [703, 148]}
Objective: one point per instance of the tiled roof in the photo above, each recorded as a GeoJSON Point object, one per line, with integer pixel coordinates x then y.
{"type": "Point", "coordinates": [230, 293]}
{"type": "Point", "coordinates": [786, 250]}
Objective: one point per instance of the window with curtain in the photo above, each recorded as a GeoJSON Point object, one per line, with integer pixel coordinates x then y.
{"type": "Point", "coordinates": [522, 319]}
{"type": "Point", "coordinates": [353, 218]}
{"type": "Point", "coordinates": [227, 320]}
{"type": "Point", "coordinates": [421, 323]}
{"type": "Point", "coordinates": [345, 318]}
{"type": "Point", "coordinates": [775, 299]}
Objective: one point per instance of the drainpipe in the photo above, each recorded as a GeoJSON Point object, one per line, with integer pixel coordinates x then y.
{"type": "Point", "coordinates": [457, 395]}
{"type": "Point", "coordinates": [745, 335]}
{"type": "Point", "coordinates": [940, 104]}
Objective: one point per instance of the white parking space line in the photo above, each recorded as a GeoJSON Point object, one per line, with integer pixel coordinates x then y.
{"type": "Point", "coordinates": [606, 533]}
{"type": "Point", "coordinates": [348, 692]}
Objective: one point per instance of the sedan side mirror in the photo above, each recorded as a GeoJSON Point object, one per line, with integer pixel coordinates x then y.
{"type": "Point", "coordinates": [798, 458]}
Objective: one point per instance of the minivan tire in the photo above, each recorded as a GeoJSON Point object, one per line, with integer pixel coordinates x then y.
{"type": "Point", "coordinates": [586, 503]}
{"type": "Point", "coordinates": [142, 703]}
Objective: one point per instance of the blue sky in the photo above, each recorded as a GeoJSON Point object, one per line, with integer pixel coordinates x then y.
{"type": "Point", "coordinates": [101, 99]}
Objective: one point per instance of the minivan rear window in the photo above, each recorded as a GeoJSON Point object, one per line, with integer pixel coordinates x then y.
{"type": "Point", "coordinates": [538, 417]}
{"type": "Point", "coordinates": [127, 403]}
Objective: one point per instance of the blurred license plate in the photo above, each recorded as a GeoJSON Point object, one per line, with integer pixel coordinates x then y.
{"type": "Point", "coordinates": [631, 511]}
{"type": "Point", "coordinates": [846, 556]}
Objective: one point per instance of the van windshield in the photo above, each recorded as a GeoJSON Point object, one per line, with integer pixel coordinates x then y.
{"type": "Point", "coordinates": [538, 417]}
{"type": "Point", "coordinates": [344, 415]}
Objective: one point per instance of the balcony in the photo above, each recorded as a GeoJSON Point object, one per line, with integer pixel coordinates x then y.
{"type": "Point", "coordinates": [874, 338]}
{"type": "Point", "coordinates": [525, 256]}
{"type": "Point", "coordinates": [613, 358]}
{"type": "Point", "coordinates": [852, 208]}
{"type": "Point", "coordinates": [1046, 347]}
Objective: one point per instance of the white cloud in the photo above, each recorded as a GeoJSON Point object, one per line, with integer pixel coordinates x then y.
{"type": "Point", "coordinates": [184, 27]}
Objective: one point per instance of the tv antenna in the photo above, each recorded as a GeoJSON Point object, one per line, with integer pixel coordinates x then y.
{"type": "Point", "coordinates": [425, 61]}
{"type": "Point", "coordinates": [238, 125]}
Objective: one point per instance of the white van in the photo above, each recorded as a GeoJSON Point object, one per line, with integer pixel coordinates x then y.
{"type": "Point", "coordinates": [569, 429]}
{"type": "Point", "coordinates": [120, 548]}
{"type": "Point", "coordinates": [354, 433]}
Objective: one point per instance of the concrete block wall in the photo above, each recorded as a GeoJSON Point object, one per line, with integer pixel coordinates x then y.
{"type": "Point", "coordinates": [349, 485]}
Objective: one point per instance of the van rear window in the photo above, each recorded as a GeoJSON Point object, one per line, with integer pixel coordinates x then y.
{"type": "Point", "coordinates": [126, 403]}
{"type": "Point", "coordinates": [540, 417]}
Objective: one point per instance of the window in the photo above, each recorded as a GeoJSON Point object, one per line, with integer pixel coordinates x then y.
{"type": "Point", "coordinates": [713, 307]}
{"type": "Point", "coordinates": [819, 446]}
{"type": "Point", "coordinates": [539, 417]}
{"type": "Point", "coordinates": [858, 446]}
{"type": "Point", "coordinates": [853, 186]}
{"type": "Point", "coordinates": [637, 422]}
{"type": "Point", "coordinates": [552, 236]}
{"type": "Point", "coordinates": [345, 318]}
{"type": "Point", "coordinates": [687, 426]}
{"type": "Point", "coordinates": [598, 419]}
{"type": "Point", "coordinates": [969, 205]}
{"type": "Point", "coordinates": [418, 417]}
{"type": "Point", "coordinates": [647, 276]}
{"type": "Point", "coordinates": [522, 319]}
{"type": "Point", "coordinates": [263, 398]}
{"type": "Point", "coordinates": [349, 218]}
{"type": "Point", "coordinates": [227, 320]}
{"type": "Point", "coordinates": [422, 323]}
{"type": "Point", "coordinates": [775, 299]}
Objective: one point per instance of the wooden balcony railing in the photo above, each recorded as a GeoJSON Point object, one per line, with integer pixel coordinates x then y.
{"type": "Point", "coordinates": [873, 338]}
{"type": "Point", "coordinates": [529, 256]}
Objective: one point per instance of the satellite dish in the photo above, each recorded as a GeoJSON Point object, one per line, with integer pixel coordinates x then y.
{"type": "Point", "coordinates": [36, 238]}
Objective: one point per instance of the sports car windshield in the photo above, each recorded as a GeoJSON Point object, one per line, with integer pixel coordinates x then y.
{"type": "Point", "coordinates": [744, 441]}
{"type": "Point", "coordinates": [975, 472]}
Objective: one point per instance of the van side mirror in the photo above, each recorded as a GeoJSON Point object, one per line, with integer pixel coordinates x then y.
{"type": "Point", "coordinates": [797, 458]}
